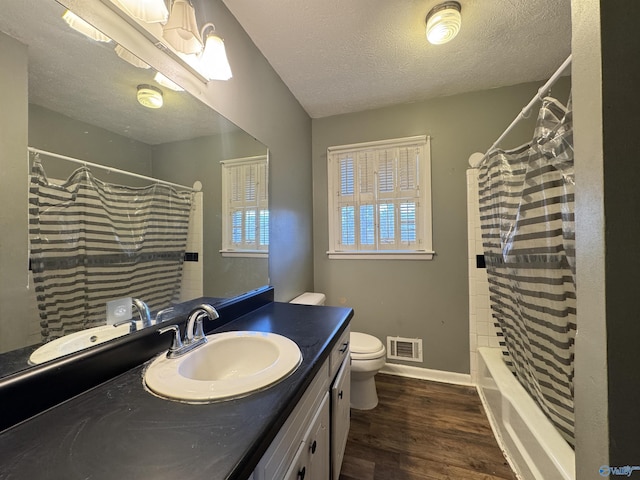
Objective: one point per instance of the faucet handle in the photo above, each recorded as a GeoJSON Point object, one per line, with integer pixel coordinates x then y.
{"type": "Point", "coordinates": [176, 343]}
{"type": "Point", "coordinates": [131, 322]}
{"type": "Point", "coordinates": [162, 313]}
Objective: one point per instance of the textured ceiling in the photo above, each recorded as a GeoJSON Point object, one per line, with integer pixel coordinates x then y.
{"type": "Point", "coordinates": [336, 56]}
{"type": "Point", "coordinates": [340, 56]}
{"type": "Point", "coordinates": [87, 81]}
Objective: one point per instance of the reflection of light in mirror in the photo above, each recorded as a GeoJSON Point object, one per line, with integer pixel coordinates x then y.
{"type": "Point", "coordinates": [181, 31]}
{"type": "Point", "coordinates": [129, 57]}
{"type": "Point", "coordinates": [68, 78]}
{"type": "Point", "coordinates": [79, 25]}
{"type": "Point", "coordinates": [165, 82]}
{"type": "Point", "coordinates": [150, 96]}
{"type": "Point", "coordinates": [150, 11]}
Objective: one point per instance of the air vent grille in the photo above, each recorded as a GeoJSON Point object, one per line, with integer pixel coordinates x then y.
{"type": "Point", "coordinates": [408, 349]}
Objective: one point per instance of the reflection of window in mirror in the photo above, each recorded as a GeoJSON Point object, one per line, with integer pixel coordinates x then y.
{"type": "Point", "coordinates": [245, 207]}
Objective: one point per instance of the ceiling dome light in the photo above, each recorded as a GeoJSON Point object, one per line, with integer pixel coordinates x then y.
{"type": "Point", "coordinates": [443, 22]}
{"type": "Point", "coordinates": [150, 96]}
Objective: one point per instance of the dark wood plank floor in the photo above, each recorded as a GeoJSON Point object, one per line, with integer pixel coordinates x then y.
{"type": "Point", "coordinates": [423, 430]}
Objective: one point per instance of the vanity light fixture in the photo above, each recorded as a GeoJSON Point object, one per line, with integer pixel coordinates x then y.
{"type": "Point", "coordinates": [165, 82]}
{"type": "Point", "coordinates": [443, 22]}
{"type": "Point", "coordinates": [149, 11]}
{"type": "Point", "coordinates": [79, 25]}
{"type": "Point", "coordinates": [214, 64]}
{"type": "Point", "coordinates": [150, 96]}
{"type": "Point", "coordinates": [181, 31]}
{"type": "Point", "coordinates": [129, 57]}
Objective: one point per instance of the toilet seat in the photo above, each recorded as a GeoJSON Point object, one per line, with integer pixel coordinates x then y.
{"type": "Point", "coordinates": [365, 347]}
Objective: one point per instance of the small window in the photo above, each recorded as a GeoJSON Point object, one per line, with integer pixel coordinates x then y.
{"type": "Point", "coordinates": [380, 199]}
{"type": "Point", "coordinates": [245, 207]}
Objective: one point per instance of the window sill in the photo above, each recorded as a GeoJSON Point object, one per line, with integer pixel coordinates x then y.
{"type": "Point", "coordinates": [245, 253]}
{"type": "Point", "coordinates": [384, 255]}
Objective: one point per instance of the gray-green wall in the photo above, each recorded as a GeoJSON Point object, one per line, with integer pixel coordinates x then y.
{"type": "Point", "coordinates": [414, 298]}
{"type": "Point", "coordinates": [13, 189]}
{"type": "Point", "coordinates": [63, 135]}
{"type": "Point", "coordinates": [259, 102]}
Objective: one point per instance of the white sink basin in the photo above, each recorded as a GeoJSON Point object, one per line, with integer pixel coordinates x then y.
{"type": "Point", "coordinates": [77, 341]}
{"type": "Point", "coordinates": [229, 365]}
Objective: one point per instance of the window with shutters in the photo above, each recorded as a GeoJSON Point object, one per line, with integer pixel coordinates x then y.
{"type": "Point", "coordinates": [245, 207]}
{"type": "Point", "coordinates": [380, 199]}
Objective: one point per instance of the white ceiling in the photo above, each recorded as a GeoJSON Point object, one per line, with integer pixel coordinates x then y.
{"type": "Point", "coordinates": [341, 56]}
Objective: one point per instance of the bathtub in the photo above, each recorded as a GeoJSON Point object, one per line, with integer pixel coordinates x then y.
{"type": "Point", "coordinates": [533, 447]}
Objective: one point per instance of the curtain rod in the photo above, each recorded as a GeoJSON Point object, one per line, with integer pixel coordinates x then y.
{"type": "Point", "coordinates": [110, 169]}
{"type": "Point", "coordinates": [526, 110]}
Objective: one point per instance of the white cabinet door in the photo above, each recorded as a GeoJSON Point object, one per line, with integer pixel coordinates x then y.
{"type": "Point", "coordinates": [311, 461]}
{"type": "Point", "coordinates": [340, 416]}
{"type": "Point", "coordinates": [298, 468]}
{"type": "Point", "coordinates": [318, 443]}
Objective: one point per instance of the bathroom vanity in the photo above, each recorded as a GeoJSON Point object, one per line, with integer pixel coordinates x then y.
{"type": "Point", "coordinates": [295, 429]}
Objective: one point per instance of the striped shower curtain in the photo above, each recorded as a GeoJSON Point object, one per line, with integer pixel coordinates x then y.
{"type": "Point", "coordinates": [92, 242]}
{"type": "Point", "coordinates": [527, 218]}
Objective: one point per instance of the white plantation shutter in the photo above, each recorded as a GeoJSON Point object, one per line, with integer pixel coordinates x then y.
{"type": "Point", "coordinates": [379, 198]}
{"type": "Point", "coordinates": [245, 205]}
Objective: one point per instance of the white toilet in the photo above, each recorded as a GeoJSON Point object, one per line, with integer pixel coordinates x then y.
{"type": "Point", "coordinates": [367, 358]}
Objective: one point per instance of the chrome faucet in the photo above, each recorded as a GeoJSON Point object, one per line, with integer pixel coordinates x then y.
{"type": "Point", "coordinates": [160, 315]}
{"type": "Point", "coordinates": [194, 331]}
{"type": "Point", "coordinates": [143, 311]}
{"type": "Point", "coordinates": [131, 322]}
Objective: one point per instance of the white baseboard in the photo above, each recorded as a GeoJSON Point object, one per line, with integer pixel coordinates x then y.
{"type": "Point", "coordinates": [427, 374]}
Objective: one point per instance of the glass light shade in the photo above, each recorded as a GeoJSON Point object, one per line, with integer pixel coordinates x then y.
{"type": "Point", "coordinates": [165, 82]}
{"type": "Point", "coordinates": [181, 31]}
{"type": "Point", "coordinates": [149, 11]}
{"type": "Point", "coordinates": [150, 96]}
{"type": "Point", "coordinates": [79, 25]}
{"type": "Point", "coordinates": [129, 57]}
{"type": "Point", "coordinates": [214, 64]}
{"type": "Point", "coordinates": [443, 22]}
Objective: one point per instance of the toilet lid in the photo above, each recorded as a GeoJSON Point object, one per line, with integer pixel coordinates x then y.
{"type": "Point", "coordinates": [361, 343]}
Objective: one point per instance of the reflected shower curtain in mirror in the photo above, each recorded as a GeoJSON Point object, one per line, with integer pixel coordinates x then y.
{"type": "Point", "coordinates": [527, 218]}
{"type": "Point", "coordinates": [92, 242]}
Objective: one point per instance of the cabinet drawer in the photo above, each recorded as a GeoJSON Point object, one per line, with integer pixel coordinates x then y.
{"type": "Point", "coordinates": [339, 353]}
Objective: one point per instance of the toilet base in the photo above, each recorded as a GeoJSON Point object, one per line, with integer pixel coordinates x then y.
{"type": "Point", "coordinates": [363, 393]}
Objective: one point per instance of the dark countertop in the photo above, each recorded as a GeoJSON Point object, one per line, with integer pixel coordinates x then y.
{"type": "Point", "coordinates": [119, 430]}
{"type": "Point", "coordinates": [16, 360]}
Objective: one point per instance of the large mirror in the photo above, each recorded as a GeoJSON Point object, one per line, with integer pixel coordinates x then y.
{"type": "Point", "coordinates": [82, 105]}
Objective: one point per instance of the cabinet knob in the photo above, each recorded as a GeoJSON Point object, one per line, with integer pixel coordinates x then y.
{"type": "Point", "coordinates": [313, 447]}
{"type": "Point", "coordinates": [301, 473]}
{"type": "Point", "coordinates": [345, 345]}
{"type": "Point", "coordinates": [340, 395]}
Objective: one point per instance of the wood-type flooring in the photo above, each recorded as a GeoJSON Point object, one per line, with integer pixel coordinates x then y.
{"type": "Point", "coordinates": [423, 430]}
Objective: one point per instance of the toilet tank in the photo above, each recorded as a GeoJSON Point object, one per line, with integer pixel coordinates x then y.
{"type": "Point", "coordinates": [310, 298]}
